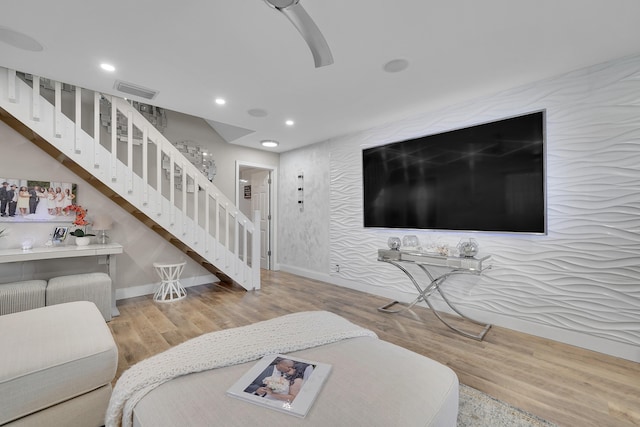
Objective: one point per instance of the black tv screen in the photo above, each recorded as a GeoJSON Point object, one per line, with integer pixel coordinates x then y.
{"type": "Point", "coordinates": [489, 177]}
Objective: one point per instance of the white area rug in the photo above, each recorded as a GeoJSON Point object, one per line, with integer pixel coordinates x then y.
{"type": "Point", "coordinates": [478, 409]}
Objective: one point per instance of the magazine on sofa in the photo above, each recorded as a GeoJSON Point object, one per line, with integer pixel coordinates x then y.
{"type": "Point", "coordinates": [283, 383]}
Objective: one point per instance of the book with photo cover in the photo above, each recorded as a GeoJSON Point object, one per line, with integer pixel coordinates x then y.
{"type": "Point", "coordinates": [284, 383]}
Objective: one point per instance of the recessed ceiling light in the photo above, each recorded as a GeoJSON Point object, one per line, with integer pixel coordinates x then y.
{"type": "Point", "coordinates": [220, 101]}
{"type": "Point", "coordinates": [395, 65]}
{"type": "Point", "coordinates": [107, 67]}
{"type": "Point", "coordinates": [269, 143]}
{"type": "Point", "coordinates": [289, 122]}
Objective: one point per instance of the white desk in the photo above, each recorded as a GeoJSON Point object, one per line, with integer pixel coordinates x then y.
{"type": "Point", "coordinates": [70, 251]}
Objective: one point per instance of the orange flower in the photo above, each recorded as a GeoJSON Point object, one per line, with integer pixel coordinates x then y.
{"type": "Point", "coordinates": [79, 221]}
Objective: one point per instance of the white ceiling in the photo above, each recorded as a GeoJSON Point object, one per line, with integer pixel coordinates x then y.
{"type": "Point", "coordinates": [192, 51]}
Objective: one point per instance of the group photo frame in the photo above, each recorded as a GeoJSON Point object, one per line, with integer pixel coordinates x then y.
{"type": "Point", "coordinates": [29, 200]}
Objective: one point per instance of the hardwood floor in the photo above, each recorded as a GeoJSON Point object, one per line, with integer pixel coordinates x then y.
{"type": "Point", "coordinates": [567, 385]}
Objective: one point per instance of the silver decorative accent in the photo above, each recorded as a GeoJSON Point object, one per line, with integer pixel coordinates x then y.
{"type": "Point", "coordinates": [394, 243]}
{"type": "Point", "coordinates": [200, 158]}
{"type": "Point", "coordinates": [155, 115]}
{"type": "Point", "coordinates": [468, 248]}
{"type": "Point", "coordinates": [410, 241]}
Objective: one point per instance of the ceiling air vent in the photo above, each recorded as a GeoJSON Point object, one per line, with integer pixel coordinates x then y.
{"type": "Point", "coordinates": [135, 90]}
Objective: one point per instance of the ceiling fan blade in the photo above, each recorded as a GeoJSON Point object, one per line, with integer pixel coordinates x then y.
{"type": "Point", "coordinates": [310, 32]}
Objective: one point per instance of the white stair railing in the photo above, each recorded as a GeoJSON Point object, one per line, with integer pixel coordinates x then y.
{"type": "Point", "coordinates": [194, 212]}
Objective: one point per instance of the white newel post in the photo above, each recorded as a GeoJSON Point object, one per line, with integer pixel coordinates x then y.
{"type": "Point", "coordinates": [255, 250]}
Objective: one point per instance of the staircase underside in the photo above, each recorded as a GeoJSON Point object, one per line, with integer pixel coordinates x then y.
{"type": "Point", "coordinates": [42, 143]}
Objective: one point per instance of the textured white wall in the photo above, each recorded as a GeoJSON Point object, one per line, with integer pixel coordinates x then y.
{"type": "Point", "coordinates": [581, 282]}
{"type": "Point", "coordinates": [303, 233]}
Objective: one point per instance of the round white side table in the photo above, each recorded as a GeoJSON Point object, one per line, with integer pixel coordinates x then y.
{"type": "Point", "coordinates": [170, 288]}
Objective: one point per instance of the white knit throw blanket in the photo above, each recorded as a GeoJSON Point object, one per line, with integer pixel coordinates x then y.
{"type": "Point", "coordinates": [225, 348]}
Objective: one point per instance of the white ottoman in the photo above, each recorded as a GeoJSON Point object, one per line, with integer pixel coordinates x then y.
{"type": "Point", "coordinates": [94, 287]}
{"type": "Point", "coordinates": [56, 366]}
{"type": "Point", "coordinates": [20, 296]}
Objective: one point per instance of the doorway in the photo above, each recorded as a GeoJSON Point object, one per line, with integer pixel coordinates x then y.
{"type": "Point", "coordinates": [256, 191]}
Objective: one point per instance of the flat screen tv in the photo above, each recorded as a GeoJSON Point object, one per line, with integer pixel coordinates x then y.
{"type": "Point", "coordinates": [489, 177]}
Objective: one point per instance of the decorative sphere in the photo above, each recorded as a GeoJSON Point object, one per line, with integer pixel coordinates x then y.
{"type": "Point", "coordinates": [468, 248]}
{"type": "Point", "coordinates": [394, 243]}
{"type": "Point", "coordinates": [410, 241]}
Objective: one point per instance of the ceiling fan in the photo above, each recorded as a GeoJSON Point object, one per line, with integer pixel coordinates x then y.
{"type": "Point", "coordinates": [309, 30]}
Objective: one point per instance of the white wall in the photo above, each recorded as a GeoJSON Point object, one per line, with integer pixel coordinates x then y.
{"type": "Point", "coordinates": [579, 284]}
{"type": "Point", "coordinates": [303, 232]}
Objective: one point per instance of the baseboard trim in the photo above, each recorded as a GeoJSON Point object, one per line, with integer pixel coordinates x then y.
{"type": "Point", "coordinates": [578, 339]}
{"type": "Point", "coordinates": [149, 289]}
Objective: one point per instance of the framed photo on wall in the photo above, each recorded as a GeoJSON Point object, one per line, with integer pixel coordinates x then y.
{"type": "Point", "coordinates": [29, 200]}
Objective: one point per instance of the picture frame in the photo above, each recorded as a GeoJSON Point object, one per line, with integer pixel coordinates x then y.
{"type": "Point", "coordinates": [32, 200]}
{"type": "Point", "coordinates": [315, 375]}
{"type": "Point", "coordinates": [60, 233]}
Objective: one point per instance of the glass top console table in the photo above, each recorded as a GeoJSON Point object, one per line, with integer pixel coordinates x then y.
{"type": "Point", "coordinates": [426, 263]}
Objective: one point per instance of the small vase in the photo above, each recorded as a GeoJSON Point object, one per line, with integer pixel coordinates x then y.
{"type": "Point", "coordinates": [83, 241]}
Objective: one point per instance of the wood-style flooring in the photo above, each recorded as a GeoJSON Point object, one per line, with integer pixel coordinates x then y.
{"type": "Point", "coordinates": [567, 385]}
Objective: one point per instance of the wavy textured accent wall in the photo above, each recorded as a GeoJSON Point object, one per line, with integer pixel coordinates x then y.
{"type": "Point", "coordinates": [583, 276]}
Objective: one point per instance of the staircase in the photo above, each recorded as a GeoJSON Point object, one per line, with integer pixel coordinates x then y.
{"type": "Point", "coordinates": [183, 207]}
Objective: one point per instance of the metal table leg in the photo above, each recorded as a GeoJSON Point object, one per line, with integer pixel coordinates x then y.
{"type": "Point", "coordinates": [424, 294]}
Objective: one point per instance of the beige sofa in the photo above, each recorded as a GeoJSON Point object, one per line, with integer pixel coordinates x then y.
{"type": "Point", "coordinates": [56, 366]}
